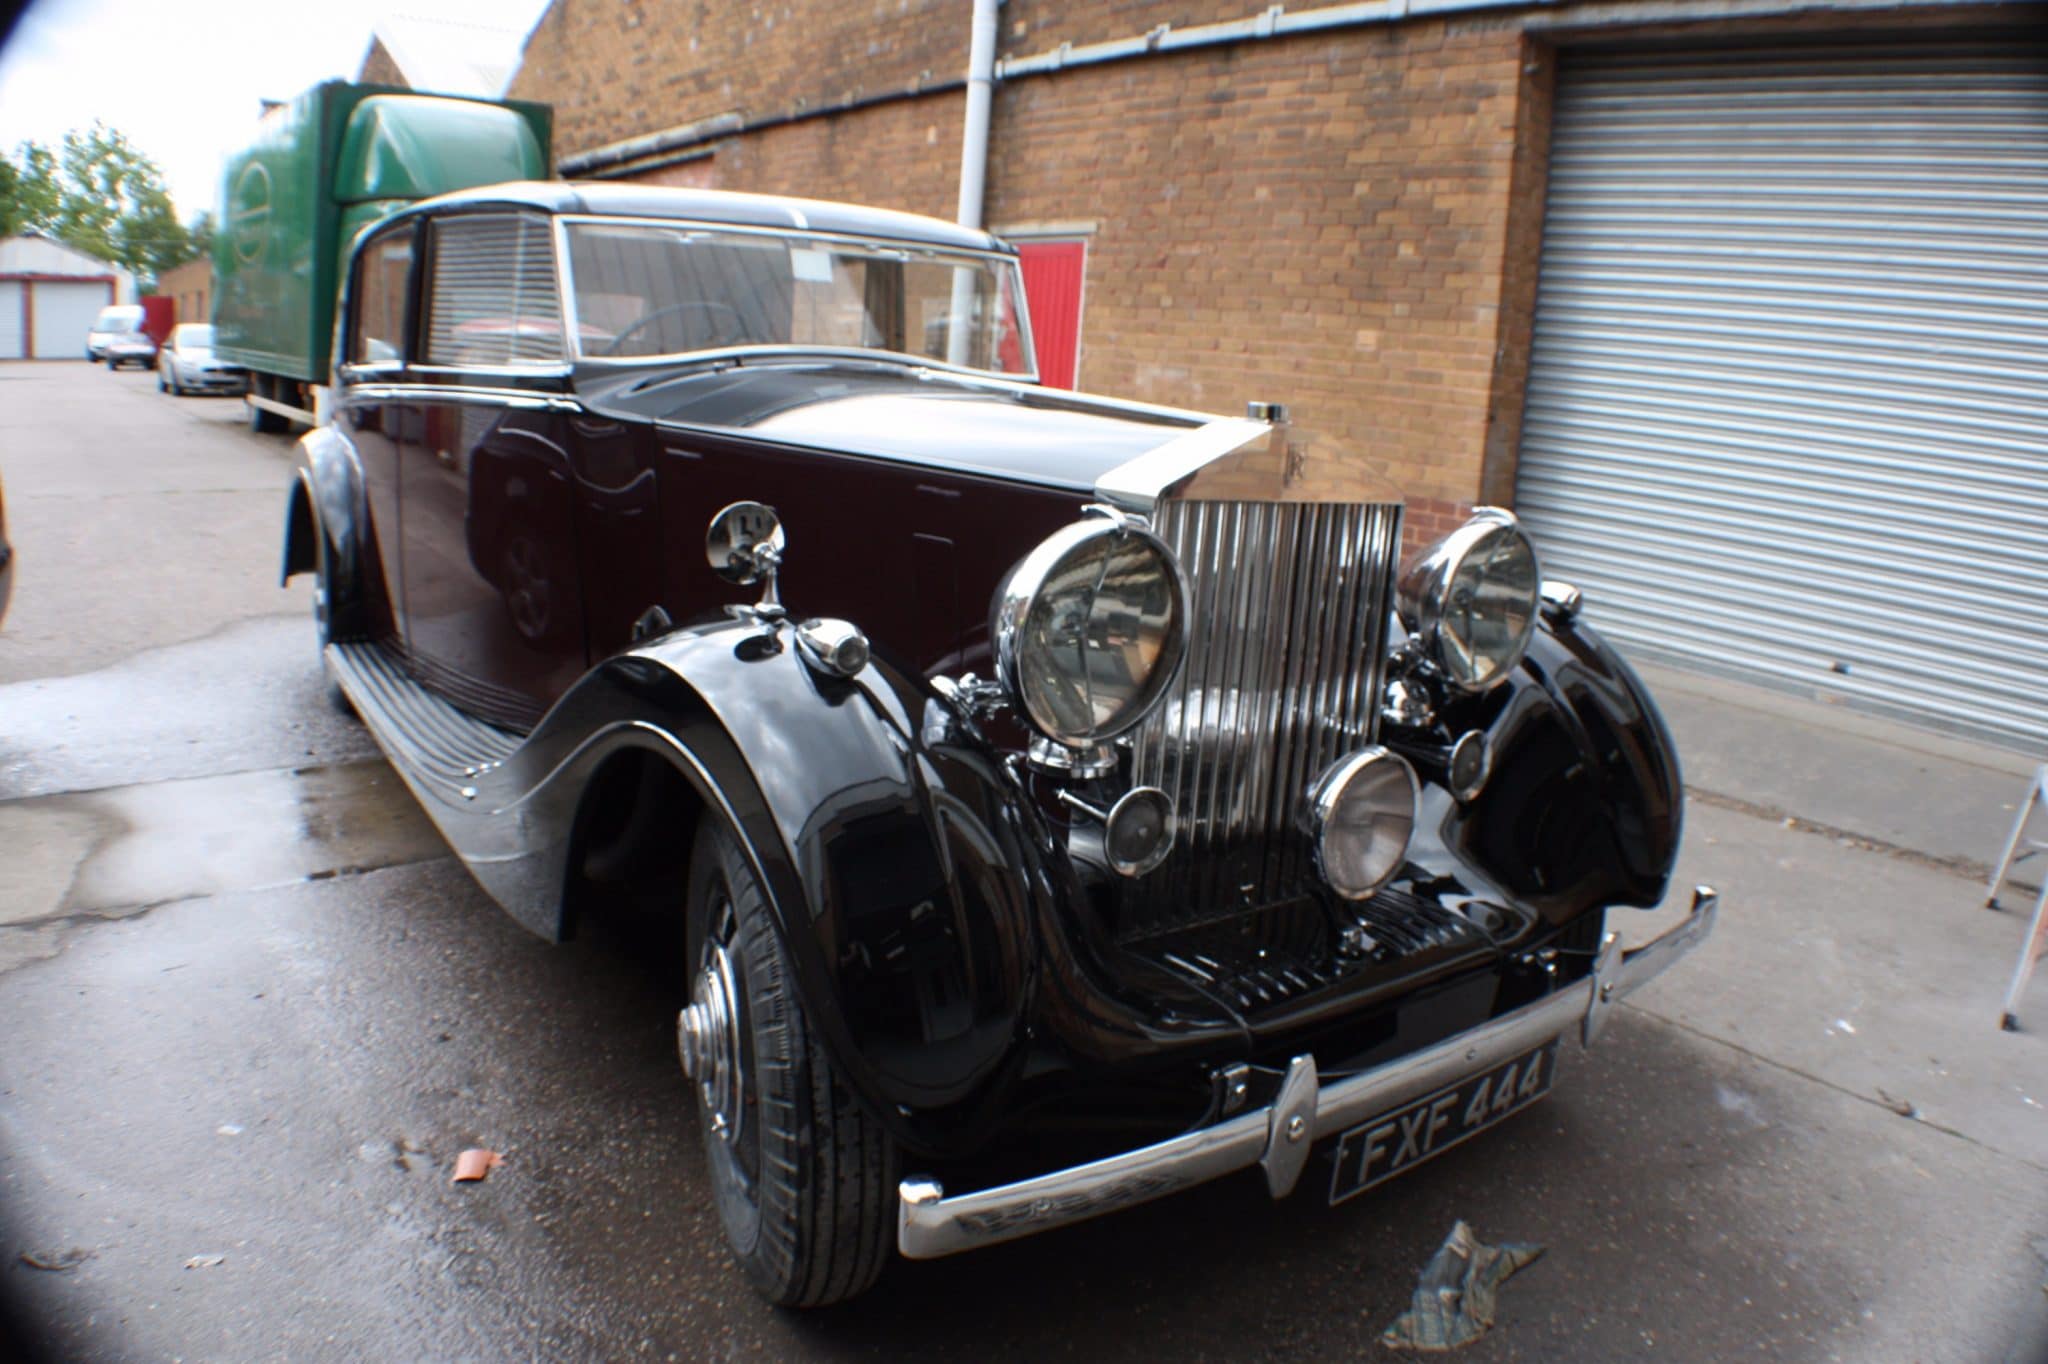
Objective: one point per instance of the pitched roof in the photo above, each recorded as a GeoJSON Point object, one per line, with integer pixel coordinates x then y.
{"type": "Point", "coordinates": [476, 54]}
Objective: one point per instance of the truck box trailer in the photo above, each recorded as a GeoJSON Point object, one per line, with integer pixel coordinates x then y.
{"type": "Point", "coordinates": [320, 170]}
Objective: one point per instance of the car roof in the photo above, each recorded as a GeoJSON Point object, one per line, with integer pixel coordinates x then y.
{"type": "Point", "coordinates": [611, 198]}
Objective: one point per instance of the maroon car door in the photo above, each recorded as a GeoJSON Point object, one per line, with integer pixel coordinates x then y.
{"type": "Point", "coordinates": [370, 406]}
{"type": "Point", "coordinates": [493, 604]}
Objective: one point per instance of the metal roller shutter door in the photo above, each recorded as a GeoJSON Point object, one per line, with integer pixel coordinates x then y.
{"type": "Point", "coordinates": [13, 345]}
{"type": "Point", "coordinates": [65, 312]}
{"type": "Point", "coordinates": [1788, 395]}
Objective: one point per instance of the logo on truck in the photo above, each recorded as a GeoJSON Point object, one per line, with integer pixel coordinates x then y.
{"type": "Point", "coordinates": [250, 217]}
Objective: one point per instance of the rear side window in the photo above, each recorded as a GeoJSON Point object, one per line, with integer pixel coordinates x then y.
{"type": "Point", "coordinates": [381, 269]}
{"type": "Point", "coordinates": [493, 299]}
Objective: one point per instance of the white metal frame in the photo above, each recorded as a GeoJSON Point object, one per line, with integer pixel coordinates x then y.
{"type": "Point", "coordinates": [2035, 945]}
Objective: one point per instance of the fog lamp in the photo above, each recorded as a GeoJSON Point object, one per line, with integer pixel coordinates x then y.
{"type": "Point", "coordinates": [1361, 814]}
{"type": "Point", "coordinates": [1131, 838]}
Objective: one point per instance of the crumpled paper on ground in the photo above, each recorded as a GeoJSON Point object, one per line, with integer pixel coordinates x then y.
{"type": "Point", "coordinates": [1455, 1297]}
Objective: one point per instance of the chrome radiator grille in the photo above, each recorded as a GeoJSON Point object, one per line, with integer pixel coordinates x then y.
{"type": "Point", "coordinates": [1285, 663]}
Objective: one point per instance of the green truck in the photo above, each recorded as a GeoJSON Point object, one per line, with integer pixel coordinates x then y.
{"type": "Point", "coordinates": [320, 170]}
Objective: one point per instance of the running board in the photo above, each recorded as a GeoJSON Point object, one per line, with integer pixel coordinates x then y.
{"type": "Point", "coordinates": [507, 803]}
{"type": "Point", "coordinates": [473, 779]}
{"type": "Point", "coordinates": [426, 737]}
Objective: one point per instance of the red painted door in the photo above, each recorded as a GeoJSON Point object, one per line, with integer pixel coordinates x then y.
{"type": "Point", "coordinates": [1052, 290]}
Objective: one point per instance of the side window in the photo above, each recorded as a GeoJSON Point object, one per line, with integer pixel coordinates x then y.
{"type": "Point", "coordinates": [378, 334]}
{"type": "Point", "coordinates": [492, 300]}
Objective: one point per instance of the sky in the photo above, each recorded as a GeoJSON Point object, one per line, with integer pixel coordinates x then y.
{"type": "Point", "coordinates": [185, 81]}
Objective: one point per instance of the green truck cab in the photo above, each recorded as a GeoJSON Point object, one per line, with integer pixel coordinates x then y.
{"type": "Point", "coordinates": [320, 170]}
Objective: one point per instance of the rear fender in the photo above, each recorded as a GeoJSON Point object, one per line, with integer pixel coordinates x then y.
{"type": "Point", "coordinates": [326, 511]}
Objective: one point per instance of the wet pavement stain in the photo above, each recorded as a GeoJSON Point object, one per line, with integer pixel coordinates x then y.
{"type": "Point", "coordinates": [248, 697]}
{"type": "Point", "coordinates": [104, 854]}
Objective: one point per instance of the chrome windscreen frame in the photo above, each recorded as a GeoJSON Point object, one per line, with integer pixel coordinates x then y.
{"type": "Point", "coordinates": [566, 274]}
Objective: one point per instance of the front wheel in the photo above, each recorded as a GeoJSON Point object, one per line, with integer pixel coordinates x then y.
{"type": "Point", "coordinates": [804, 1177]}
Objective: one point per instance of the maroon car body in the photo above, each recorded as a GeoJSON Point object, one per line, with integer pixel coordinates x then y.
{"type": "Point", "coordinates": [1072, 968]}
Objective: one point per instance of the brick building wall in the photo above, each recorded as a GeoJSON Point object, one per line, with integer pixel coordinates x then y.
{"type": "Point", "coordinates": [190, 288]}
{"type": "Point", "coordinates": [1322, 220]}
{"type": "Point", "coordinates": [1317, 220]}
{"type": "Point", "coordinates": [380, 68]}
{"type": "Point", "coordinates": [615, 69]}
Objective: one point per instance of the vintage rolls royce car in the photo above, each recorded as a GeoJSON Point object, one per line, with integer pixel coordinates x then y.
{"type": "Point", "coordinates": [1066, 800]}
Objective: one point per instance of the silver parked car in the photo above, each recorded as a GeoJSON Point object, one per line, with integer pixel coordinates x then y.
{"type": "Point", "coordinates": [114, 320]}
{"type": "Point", "coordinates": [186, 364]}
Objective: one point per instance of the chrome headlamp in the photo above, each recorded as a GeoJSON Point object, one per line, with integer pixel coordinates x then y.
{"type": "Point", "coordinates": [1361, 815]}
{"type": "Point", "coordinates": [1470, 599]}
{"type": "Point", "coordinates": [1089, 628]}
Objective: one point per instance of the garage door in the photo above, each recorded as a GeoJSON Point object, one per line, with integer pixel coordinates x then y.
{"type": "Point", "coordinates": [11, 339]}
{"type": "Point", "coordinates": [1788, 399]}
{"type": "Point", "coordinates": [64, 314]}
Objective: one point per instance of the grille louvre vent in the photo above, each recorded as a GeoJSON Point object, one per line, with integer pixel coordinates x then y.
{"type": "Point", "coordinates": [1286, 655]}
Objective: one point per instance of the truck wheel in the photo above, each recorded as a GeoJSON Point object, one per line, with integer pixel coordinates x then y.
{"type": "Point", "coordinates": [803, 1176]}
{"type": "Point", "coordinates": [265, 422]}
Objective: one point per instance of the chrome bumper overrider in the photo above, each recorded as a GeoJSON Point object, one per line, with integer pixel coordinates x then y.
{"type": "Point", "coordinates": [1278, 1137]}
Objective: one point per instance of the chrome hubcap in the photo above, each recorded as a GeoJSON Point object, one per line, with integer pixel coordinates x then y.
{"type": "Point", "coordinates": [707, 1036]}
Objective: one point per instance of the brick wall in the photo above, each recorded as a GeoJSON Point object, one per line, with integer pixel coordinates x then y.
{"type": "Point", "coordinates": [190, 287]}
{"type": "Point", "coordinates": [620, 68]}
{"type": "Point", "coordinates": [380, 68]}
{"type": "Point", "coordinates": [1340, 221]}
{"type": "Point", "coordinates": [1316, 220]}
{"type": "Point", "coordinates": [903, 155]}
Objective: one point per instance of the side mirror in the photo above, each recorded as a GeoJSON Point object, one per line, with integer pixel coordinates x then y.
{"type": "Point", "coordinates": [744, 545]}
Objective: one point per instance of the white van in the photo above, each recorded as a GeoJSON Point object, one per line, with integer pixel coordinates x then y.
{"type": "Point", "coordinates": [112, 322]}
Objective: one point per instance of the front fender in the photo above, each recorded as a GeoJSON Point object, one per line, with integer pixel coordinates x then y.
{"type": "Point", "coordinates": [1585, 802]}
{"type": "Point", "coordinates": [902, 876]}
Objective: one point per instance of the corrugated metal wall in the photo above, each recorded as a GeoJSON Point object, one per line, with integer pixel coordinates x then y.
{"type": "Point", "coordinates": [1788, 399]}
{"type": "Point", "coordinates": [64, 313]}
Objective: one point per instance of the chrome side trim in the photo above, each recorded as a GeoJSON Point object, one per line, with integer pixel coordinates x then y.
{"type": "Point", "coordinates": [929, 1224]}
{"type": "Point", "coordinates": [536, 369]}
{"type": "Point", "coordinates": [523, 399]}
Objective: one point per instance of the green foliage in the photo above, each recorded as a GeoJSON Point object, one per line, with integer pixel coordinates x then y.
{"type": "Point", "coordinates": [102, 195]}
{"type": "Point", "coordinates": [28, 191]}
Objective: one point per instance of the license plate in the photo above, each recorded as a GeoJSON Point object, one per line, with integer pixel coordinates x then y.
{"type": "Point", "coordinates": [1379, 1148]}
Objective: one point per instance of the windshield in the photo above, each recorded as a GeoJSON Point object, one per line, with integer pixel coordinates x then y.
{"type": "Point", "coordinates": [644, 289]}
{"type": "Point", "coordinates": [120, 319]}
{"type": "Point", "coordinates": [195, 336]}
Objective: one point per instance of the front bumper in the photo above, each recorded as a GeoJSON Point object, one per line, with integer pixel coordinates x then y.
{"type": "Point", "coordinates": [1278, 1137]}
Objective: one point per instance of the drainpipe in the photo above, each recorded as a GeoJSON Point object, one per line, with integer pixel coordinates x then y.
{"type": "Point", "coordinates": [981, 79]}
{"type": "Point", "coordinates": [981, 75]}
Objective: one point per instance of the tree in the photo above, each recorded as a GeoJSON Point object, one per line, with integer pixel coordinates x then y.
{"type": "Point", "coordinates": [29, 193]}
{"type": "Point", "coordinates": [114, 204]}
{"type": "Point", "coordinates": [101, 195]}
{"type": "Point", "coordinates": [201, 234]}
